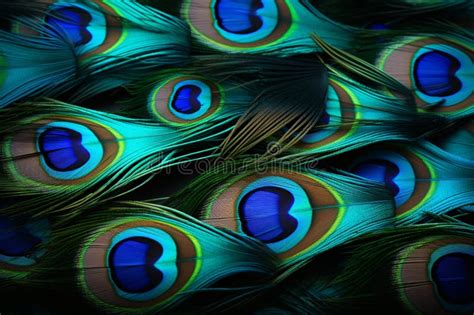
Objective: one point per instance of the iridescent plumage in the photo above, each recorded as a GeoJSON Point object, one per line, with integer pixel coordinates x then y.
{"type": "Point", "coordinates": [236, 156]}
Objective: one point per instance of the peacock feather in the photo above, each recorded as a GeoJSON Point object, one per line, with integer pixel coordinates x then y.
{"type": "Point", "coordinates": [179, 97]}
{"type": "Point", "coordinates": [105, 37]}
{"type": "Point", "coordinates": [424, 269]}
{"type": "Point", "coordinates": [439, 70]}
{"type": "Point", "coordinates": [356, 115]}
{"type": "Point", "coordinates": [145, 259]}
{"type": "Point", "coordinates": [296, 213]}
{"type": "Point", "coordinates": [60, 151]}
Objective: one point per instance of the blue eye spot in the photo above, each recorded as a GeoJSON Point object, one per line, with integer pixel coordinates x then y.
{"type": "Point", "coordinates": [435, 74]}
{"type": "Point", "coordinates": [62, 149]}
{"type": "Point", "coordinates": [16, 241]}
{"type": "Point", "coordinates": [239, 16]}
{"type": "Point", "coordinates": [73, 21]}
{"type": "Point", "coordinates": [264, 213]}
{"type": "Point", "coordinates": [132, 264]}
{"type": "Point", "coordinates": [453, 275]}
{"type": "Point", "coordinates": [186, 101]}
{"type": "Point", "coordinates": [381, 171]}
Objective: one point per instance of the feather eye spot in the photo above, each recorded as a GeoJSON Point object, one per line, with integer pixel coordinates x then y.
{"type": "Point", "coordinates": [139, 263]}
{"type": "Point", "coordinates": [278, 208]}
{"type": "Point", "coordinates": [239, 24]}
{"type": "Point", "coordinates": [438, 71]}
{"type": "Point", "coordinates": [265, 214]}
{"type": "Point", "coordinates": [62, 150]}
{"type": "Point", "coordinates": [184, 99]}
{"type": "Point", "coordinates": [333, 124]}
{"type": "Point", "coordinates": [442, 268]}
{"type": "Point", "coordinates": [94, 27]}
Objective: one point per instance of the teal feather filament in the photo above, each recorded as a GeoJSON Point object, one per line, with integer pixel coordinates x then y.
{"type": "Point", "coordinates": [33, 65]}
{"type": "Point", "coordinates": [3, 69]}
{"type": "Point", "coordinates": [457, 143]}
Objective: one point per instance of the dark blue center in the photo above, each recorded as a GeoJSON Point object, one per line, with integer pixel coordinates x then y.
{"type": "Point", "coordinates": [62, 149]}
{"type": "Point", "coordinates": [323, 120]}
{"type": "Point", "coordinates": [16, 240]}
{"type": "Point", "coordinates": [377, 26]}
{"type": "Point", "coordinates": [382, 171]}
{"type": "Point", "coordinates": [132, 264]}
{"type": "Point", "coordinates": [238, 16]}
{"type": "Point", "coordinates": [73, 21]}
{"type": "Point", "coordinates": [264, 213]}
{"type": "Point", "coordinates": [453, 275]}
{"type": "Point", "coordinates": [435, 74]}
{"type": "Point", "coordinates": [185, 100]}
